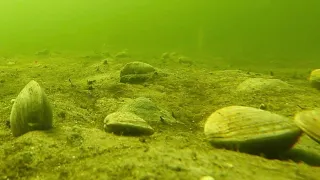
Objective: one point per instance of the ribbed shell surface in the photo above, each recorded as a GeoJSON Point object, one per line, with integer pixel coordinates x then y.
{"type": "Point", "coordinates": [309, 122]}
{"type": "Point", "coordinates": [250, 129]}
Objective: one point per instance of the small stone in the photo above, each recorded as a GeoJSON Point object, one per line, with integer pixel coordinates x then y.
{"type": "Point", "coordinates": [105, 61]}
{"type": "Point", "coordinates": [126, 123]}
{"type": "Point", "coordinates": [263, 106]}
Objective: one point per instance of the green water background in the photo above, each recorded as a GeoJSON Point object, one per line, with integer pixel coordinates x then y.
{"type": "Point", "coordinates": [236, 29]}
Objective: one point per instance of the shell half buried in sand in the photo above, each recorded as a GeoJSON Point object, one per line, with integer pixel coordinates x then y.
{"type": "Point", "coordinates": [250, 130]}
{"type": "Point", "coordinates": [309, 122]}
{"type": "Point", "coordinates": [127, 123]}
{"type": "Point", "coordinates": [315, 78]}
{"type": "Point", "coordinates": [31, 110]}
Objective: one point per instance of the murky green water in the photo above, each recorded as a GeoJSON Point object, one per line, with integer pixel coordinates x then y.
{"type": "Point", "coordinates": [188, 58]}
{"type": "Point", "coordinates": [261, 30]}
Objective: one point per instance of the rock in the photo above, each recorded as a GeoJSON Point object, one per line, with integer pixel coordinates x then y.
{"type": "Point", "coordinates": [137, 72]}
{"type": "Point", "coordinates": [126, 123]}
{"type": "Point", "coordinates": [31, 110]}
{"type": "Point", "coordinates": [148, 110]}
{"type": "Point", "coordinates": [250, 130]}
{"type": "Point", "coordinates": [309, 122]}
{"type": "Point", "coordinates": [106, 61]}
{"type": "Point", "coordinates": [315, 78]}
{"type": "Point", "coordinates": [253, 85]}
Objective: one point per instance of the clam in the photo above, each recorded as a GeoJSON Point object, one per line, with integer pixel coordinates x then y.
{"type": "Point", "coordinates": [315, 78]}
{"type": "Point", "coordinates": [136, 72]}
{"type": "Point", "coordinates": [250, 130]}
{"type": "Point", "coordinates": [31, 110]}
{"type": "Point", "coordinates": [253, 85]}
{"type": "Point", "coordinates": [309, 122]}
{"type": "Point", "coordinates": [148, 110]}
{"type": "Point", "coordinates": [127, 123]}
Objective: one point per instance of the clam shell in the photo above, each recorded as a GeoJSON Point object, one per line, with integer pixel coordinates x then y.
{"type": "Point", "coordinates": [148, 111]}
{"type": "Point", "coordinates": [136, 72]}
{"type": "Point", "coordinates": [127, 123]}
{"type": "Point", "coordinates": [31, 110]}
{"type": "Point", "coordinates": [253, 85]}
{"type": "Point", "coordinates": [309, 122]}
{"type": "Point", "coordinates": [315, 78]}
{"type": "Point", "coordinates": [250, 130]}
{"type": "Point", "coordinates": [137, 68]}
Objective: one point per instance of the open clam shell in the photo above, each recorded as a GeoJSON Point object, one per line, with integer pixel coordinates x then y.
{"type": "Point", "coordinates": [309, 122]}
{"type": "Point", "coordinates": [250, 130]}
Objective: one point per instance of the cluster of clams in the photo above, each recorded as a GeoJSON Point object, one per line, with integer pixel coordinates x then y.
{"type": "Point", "coordinates": [240, 128]}
{"type": "Point", "coordinates": [32, 110]}
{"type": "Point", "coordinates": [257, 131]}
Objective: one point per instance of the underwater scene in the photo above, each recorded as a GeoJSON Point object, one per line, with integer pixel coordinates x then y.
{"type": "Point", "coordinates": [160, 90]}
